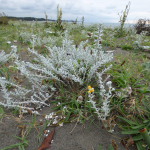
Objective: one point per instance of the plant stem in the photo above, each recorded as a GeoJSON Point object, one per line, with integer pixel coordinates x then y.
{"type": "Point", "coordinates": [145, 136]}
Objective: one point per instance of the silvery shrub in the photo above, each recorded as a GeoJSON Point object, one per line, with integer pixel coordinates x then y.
{"type": "Point", "coordinates": [79, 65]}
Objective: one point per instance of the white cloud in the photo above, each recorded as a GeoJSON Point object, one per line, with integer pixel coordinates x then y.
{"type": "Point", "coordinates": [92, 10]}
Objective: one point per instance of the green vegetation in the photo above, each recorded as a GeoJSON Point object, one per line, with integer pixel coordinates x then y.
{"type": "Point", "coordinates": [126, 47]}
{"type": "Point", "coordinates": [128, 71]}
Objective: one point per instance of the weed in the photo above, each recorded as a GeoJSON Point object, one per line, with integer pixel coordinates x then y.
{"type": "Point", "coordinates": [16, 111]}
{"type": "Point", "coordinates": [69, 106]}
{"type": "Point", "coordinates": [126, 47]}
{"type": "Point", "coordinates": [46, 23]}
{"type": "Point", "coordinates": [133, 125]}
{"type": "Point", "coordinates": [123, 17]}
{"type": "Point", "coordinates": [59, 17]}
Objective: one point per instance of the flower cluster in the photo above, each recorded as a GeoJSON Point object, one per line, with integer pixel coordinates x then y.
{"type": "Point", "coordinates": [54, 119]}
{"type": "Point", "coordinates": [90, 89]}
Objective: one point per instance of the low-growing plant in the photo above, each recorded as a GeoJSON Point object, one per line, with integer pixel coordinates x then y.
{"type": "Point", "coordinates": [105, 43]}
{"type": "Point", "coordinates": [73, 110]}
{"type": "Point", "coordinates": [112, 45]}
{"type": "Point", "coordinates": [140, 38]}
{"type": "Point", "coordinates": [133, 125]}
{"type": "Point", "coordinates": [146, 68]}
{"type": "Point", "coordinates": [126, 47]}
{"type": "Point", "coordinates": [16, 111]}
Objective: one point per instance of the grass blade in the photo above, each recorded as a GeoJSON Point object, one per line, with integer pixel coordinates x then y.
{"type": "Point", "coordinates": [110, 147]}
{"type": "Point", "coordinates": [130, 132]}
{"type": "Point", "coordinates": [1, 73]}
{"type": "Point", "coordinates": [99, 147]}
{"type": "Point", "coordinates": [139, 146]}
{"type": "Point", "coordinates": [131, 123]}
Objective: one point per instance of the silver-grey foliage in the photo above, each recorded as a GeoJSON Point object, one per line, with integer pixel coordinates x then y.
{"type": "Point", "coordinates": [79, 65]}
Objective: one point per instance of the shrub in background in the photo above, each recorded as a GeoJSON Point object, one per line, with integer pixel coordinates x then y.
{"type": "Point", "coordinates": [3, 19]}
{"type": "Point", "coordinates": [139, 40]}
{"type": "Point", "coordinates": [142, 25]}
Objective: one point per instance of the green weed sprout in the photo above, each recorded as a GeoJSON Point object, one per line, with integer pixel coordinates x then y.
{"type": "Point", "coordinates": [110, 147]}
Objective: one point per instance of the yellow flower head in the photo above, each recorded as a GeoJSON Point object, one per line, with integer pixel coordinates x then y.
{"type": "Point", "coordinates": [92, 90]}
{"type": "Point", "coordinates": [89, 87]}
{"type": "Point", "coordinates": [89, 91]}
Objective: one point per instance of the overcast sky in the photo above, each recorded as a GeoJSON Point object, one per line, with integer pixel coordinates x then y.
{"type": "Point", "coordinates": [105, 11]}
